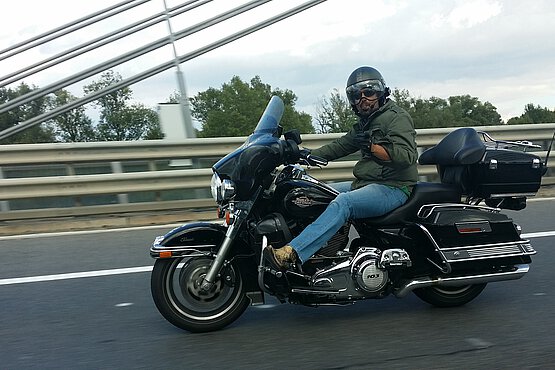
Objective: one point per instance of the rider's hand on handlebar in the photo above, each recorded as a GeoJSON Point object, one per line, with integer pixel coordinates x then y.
{"type": "Point", "coordinates": [304, 153]}
{"type": "Point", "coordinates": [311, 160]}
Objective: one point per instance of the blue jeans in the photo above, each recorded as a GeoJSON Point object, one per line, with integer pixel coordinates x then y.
{"type": "Point", "coordinates": [371, 200]}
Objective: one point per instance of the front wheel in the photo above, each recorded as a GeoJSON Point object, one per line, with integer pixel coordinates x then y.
{"type": "Point", "coordinates": [447, 296]}
{"type": "Point", "coordinates": [175, 286]}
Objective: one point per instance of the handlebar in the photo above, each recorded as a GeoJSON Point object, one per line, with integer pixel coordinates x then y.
{"type": "Point", "coordinates": [293, 154]}
{"type": "Point", "coordinates": [312, 160]}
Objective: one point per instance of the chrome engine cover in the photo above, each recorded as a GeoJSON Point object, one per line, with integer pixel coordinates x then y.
{"type": "Point", "coordinates": [358, 277]}
{"type": "Point", "coordinates": [366, 271]}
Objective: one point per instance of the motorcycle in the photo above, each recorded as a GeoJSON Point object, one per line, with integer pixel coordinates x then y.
{"type": "Point", "coordinates": [443, 244]}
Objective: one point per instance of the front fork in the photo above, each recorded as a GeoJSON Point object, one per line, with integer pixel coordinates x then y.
{"type": "Point", "coordinates": [215, 267]}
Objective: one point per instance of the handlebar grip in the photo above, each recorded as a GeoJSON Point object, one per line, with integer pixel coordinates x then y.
{"type": "Point", "coordinates": [316, 161]}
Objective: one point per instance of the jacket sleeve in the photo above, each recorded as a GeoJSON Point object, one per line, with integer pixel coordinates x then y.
{"type": "Point", "coordinates": [398, 138]}
{"type": "Point", "coordinates": [338, 148]}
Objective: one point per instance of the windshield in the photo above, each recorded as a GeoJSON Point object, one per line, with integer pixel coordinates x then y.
{"type": "Point", "coordinates": [269, 121]}
{"type": "Point", "coordinates": [260, 153]}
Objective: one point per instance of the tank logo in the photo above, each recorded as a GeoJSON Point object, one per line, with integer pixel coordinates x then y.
{"type": "Point", "coordinates": [302, 201]}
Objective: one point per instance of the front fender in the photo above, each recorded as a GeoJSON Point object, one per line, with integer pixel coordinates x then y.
{"type": "Point", "coordinates": [198, 237]}
{"type": "Point", "coordinates": [204, 239]}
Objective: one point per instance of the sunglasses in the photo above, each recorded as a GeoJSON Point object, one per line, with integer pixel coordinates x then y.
{"type": "Point", "coordinates": [367, 93]}
{"type": "Point", "coordinates": [365, 89]}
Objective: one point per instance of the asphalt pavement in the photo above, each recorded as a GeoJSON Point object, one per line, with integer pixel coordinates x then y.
{"type": "Point", "coordinates": [82, 301]}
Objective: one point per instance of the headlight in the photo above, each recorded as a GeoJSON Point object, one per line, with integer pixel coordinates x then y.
{"type": "Point", "coordinates": [222, 190]}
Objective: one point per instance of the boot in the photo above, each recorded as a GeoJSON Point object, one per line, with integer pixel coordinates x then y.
{"type": "Point", "coordinates": [281, 258]}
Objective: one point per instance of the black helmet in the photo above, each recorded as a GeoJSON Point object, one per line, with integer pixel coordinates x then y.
{"type": "Point", "coordinates": [365, 79]}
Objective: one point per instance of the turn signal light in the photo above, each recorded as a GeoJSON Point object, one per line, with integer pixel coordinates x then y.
{"type": "Point", "coordinates": [228, 218]}
{"type": "Point", "coordinates": [165, 254]}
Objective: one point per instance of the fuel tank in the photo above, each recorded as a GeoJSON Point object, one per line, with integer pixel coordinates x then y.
{"type": "Point", "coordinates": [302, 196]}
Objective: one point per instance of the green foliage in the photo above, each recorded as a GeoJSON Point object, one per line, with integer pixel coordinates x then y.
{"type": "Point", "coordinates": [119, 120]}
{"type": "Point", "coordinates": [133, 122]}
{"type": "Point", "coordinates": [234, 110]}
{"type": "Point", "coordinates": [35, 134]}
{"type": "Point", "coordinates": [533, 114]}
{"type": "Point", "coordinates": [334, 114]}
{"type": "Point", "coordinates": [456, 111]}
{"type": "Point", "coordinates": [74, 125]}
{"type": "Point", "coordinates": [113, 102]}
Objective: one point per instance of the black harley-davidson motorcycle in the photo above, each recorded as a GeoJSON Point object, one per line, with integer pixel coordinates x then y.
{"type": "Point", "coordinates": [444, 244]}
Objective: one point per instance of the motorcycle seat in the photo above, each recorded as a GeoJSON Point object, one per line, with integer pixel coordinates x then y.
{"type": "Point", "coordinates": [422, 193]}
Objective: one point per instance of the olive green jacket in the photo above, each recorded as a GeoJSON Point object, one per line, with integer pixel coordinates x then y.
{"type": "Point", "coordinates": [392, 128]}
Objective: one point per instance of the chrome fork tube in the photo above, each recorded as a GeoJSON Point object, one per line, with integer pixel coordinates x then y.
{"type": "Point", "coordinates": [212, 274]}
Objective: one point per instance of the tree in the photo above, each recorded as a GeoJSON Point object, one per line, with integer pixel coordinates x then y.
{"type": "Point", "coordinates": [36, 134]}
{"type": "Point", "coordinates": [469, 111]}
{"type": "Point", "coordinates": [334, 114]}
{"type": "Point", "coordinates": [118, 120]}
{"type": "Point", "coordinates": [533, 114]}
{"type": "Point", "coordinates": [456, 111]}
{"type": "Point", "coordinates": [234, 110]}
{"type": "Point", "coordinates": [72, 126]}
{"type": "Point", "coordinates": [133, 122]}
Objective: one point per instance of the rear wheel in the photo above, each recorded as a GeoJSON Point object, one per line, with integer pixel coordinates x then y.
{"type": "Point", "coordinates": [448, 296]}
{"type": "Point", "coordinates": [175, 286]}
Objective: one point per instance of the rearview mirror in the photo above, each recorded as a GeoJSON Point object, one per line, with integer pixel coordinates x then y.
{"type": "Point", "coordinates": [293, 135]}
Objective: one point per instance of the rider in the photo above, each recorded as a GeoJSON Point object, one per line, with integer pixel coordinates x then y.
{"type": "Point", "coordinates": [384, 176]}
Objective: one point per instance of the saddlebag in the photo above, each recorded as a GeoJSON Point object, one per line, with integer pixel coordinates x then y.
{"type": "Point", "coordinates": [465, 232]}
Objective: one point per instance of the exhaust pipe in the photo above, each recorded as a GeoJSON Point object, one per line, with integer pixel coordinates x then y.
{"type": "Point", "coordinates": [520, 271]}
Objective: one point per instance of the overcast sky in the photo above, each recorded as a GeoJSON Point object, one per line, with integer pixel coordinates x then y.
{"type": "Point", "coordinates": [499, 51]}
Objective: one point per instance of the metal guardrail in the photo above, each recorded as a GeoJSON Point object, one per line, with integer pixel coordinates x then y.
{"type": "Point", "coordinates": [40, 155]}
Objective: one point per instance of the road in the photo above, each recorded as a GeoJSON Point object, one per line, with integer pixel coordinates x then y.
{"type": "Point", "coordinates": [53, 316]}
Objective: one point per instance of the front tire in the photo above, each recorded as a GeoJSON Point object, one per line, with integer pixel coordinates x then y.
{"type": "Point", "coordinates": [175, 286]}
{"type": "Point", "coordinates": [447, 296]}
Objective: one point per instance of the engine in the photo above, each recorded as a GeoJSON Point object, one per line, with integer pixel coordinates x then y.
{"type": "Point", "coordinates": [366, 272]}
{"type": "Point", "coordinates": [365, 275]}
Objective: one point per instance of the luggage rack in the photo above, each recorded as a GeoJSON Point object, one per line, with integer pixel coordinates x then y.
{"type": "Point", "coordinates": [426, 210]}
{"type": "Point", "coordinates": [524, 144]}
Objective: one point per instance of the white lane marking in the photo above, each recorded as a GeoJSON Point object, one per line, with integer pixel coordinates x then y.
{"type": "Point", "coordinates": [124, 304]}
{"type": "Point", "coordinates": [74, 275]}
{"type": "Point", "coordinates": [132, 270]}
{"type": "Point", "coordinates": [84, 232]}
{"type": "Point", "coordinates": [538, 234]}
{"type": "Point", "coordinates": [478, 343]}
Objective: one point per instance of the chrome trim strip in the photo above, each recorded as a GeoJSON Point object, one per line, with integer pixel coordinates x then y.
{"type": "Point", "coordinates": [311, 291]}
{"type": "Point", "coordinates": [506, 195]}
{"type": "Point", "coordinates": [177, 251]}
{"type": "Point", "coordinates": [488, 251]}
{"type": "Point", "coordinates": [424, 212]}
{"type": "Point", "coordinates": [516, 242]}
{"type": "Point", "coordinates": [406, 288]}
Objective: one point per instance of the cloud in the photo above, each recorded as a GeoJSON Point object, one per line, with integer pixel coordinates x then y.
{"type": "Point", "coordinates": [468, 14]}
{"type": "Point", "coordinates": [501, 52]}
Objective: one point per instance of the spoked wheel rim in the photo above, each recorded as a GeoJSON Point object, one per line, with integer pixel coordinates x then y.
{"type": "Point", "coordinates": [183, 283]}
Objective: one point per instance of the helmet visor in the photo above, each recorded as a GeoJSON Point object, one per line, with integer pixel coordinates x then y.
{"type": "Point", "coordinates": [364, 88]}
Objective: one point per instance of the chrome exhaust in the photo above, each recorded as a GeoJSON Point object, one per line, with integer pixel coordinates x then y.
{"type": "Point", "coordinates": [520, 271]}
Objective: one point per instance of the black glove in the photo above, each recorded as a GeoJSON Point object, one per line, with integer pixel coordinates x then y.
{"type": "Point", "coordinates": [362, 140]}
{"type": "Point", "coordinates": [304, 153]}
